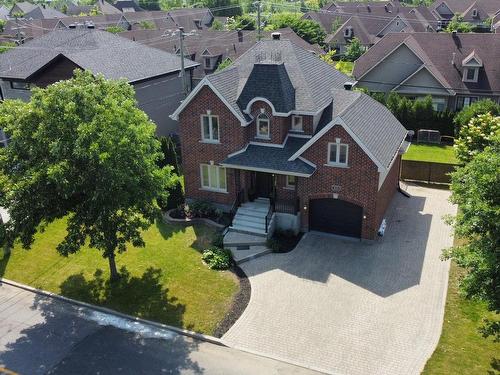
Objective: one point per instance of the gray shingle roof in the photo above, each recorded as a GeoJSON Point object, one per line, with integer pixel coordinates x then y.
{"type": "Point", "coordinates": [375, 126]}
{"type": "Point", "coordinates": [271, 82]}
{"type": "Point", "coordinates": [272, 158]}
{"type": "Point", "coordinates": [308, 74]}
{"type": "Point", "coordinates": [95, 50]}
{"type": "Point", "coordinates": [436, 50]}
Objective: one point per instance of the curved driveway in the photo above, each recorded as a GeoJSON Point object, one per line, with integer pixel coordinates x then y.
{"type": "Point", "coordinates": [345, 307]}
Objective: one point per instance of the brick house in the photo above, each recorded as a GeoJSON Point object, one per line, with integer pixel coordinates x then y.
{"type": "Point", "coordinates": [277, 139]}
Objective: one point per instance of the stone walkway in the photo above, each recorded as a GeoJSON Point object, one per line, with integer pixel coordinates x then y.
{"type": "Point", "coordinates": [346, 307]}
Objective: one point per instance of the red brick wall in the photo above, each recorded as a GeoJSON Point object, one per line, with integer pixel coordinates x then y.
{"type": "Point", "coordinates": [194, 152]}
{"type": "Point", "coordinates": [279, 125]}
{"type": "Point", "coordinates": [387, 190]}
{"type": "Point", "coordinates": [359, 182]}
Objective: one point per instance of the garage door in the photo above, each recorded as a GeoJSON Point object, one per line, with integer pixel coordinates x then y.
{"type": "Point", "coordinates": [335, 216]}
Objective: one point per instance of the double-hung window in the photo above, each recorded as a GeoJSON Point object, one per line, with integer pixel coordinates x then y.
{"type": "Point", "coordinates": [213, 177]}
{"type": "Point", "coordinates": [263, 126]}
{"type": "Point", "coordinates": [210, 128]}
{"type": "Point", "coordinates": [337, 154]}
{"type": "Point", "coordinates": [297, 123]}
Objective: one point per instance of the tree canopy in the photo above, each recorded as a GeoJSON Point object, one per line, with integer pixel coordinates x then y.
{"type": "Point", "coordinates": [458, 24]}
{"type": "Point", "coordinates": [474, 137]}
{"type": "Point", "coordinates": [354, 49]}
{"type": "Point", "coordinates": [480, 107]}
{"type": "Point", "coordinates": [476, 190]}
{"type": "Point", "coordinates": [308, 30]}
{"type": "Point", "coordinates": [81, 149]}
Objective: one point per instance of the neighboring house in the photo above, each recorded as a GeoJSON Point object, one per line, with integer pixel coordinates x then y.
{"type": "Point", "coordinates": [54, 56]}
{"type": "Point", "coordinates": [22, 8]}
{"type": "Point", "coordinates": [43, 12]}
{"type": "Point", "coordinates": [192, 18]}
{"type": "Point", "coordinates": [210, 48]}
{"type": "Point", "coordinates": [476, 12]}
{"type": "Point", "coordinates": [369, 23]}
{"type": "Point", "coordinates": [127, 6]}
{"type": "Point", "coordinates": [4, 12]}
{"type": "Point", "coordinates": [456, 69]}
{"type": "Point", "coordinates": [278, 128]}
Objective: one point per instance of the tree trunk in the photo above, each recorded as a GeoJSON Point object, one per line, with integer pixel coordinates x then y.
{"type": "Point", "coordinates": [112, 268]}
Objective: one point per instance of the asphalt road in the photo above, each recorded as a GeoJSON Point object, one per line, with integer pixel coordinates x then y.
{"type": "Point", "coordinates": [43, 335]}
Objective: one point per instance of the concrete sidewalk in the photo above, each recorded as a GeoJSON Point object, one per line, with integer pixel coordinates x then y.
{"type": "Point", "coordinates": [40, 334]}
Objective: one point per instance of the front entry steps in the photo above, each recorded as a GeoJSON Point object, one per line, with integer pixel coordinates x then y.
{"type": "Point", "coordinates": [242, 254]}
{"type": "Point", "coordinates": [250, 217]}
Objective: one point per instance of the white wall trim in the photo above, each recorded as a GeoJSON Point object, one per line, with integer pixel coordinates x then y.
{"type": "Point", "coordinates": [265, 170]}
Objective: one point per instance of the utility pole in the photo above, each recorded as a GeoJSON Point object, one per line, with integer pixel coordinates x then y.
{"type": "Point", "coordinates": [257, 3]}
{"type": "Point", "coordinates": [183, 71]}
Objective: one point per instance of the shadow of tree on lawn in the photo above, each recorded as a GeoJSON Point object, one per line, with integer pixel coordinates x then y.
{"type": "Point", "coordinates": [495, 367]}
{"type": "Point", "coordinates": [143, 296]}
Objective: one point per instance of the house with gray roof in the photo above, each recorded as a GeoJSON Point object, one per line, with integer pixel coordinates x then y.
{"type": "Point", "coordinates": [369, 22]}
{"type": "Point", "coordinates": [476, 12]}
{"type": "Point", "coordinates": [52, 57]}
{"type": "Point", "coordinates": [279, 140]}
{"type": "Point", "coordinates": [455, 69]}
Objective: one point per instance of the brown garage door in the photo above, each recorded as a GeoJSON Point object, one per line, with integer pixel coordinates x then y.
{"type": "Point", "coordinates": [335, 216]}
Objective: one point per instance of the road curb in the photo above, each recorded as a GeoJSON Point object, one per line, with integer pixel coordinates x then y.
{"type": "Point", "coordinates": [180, 331]}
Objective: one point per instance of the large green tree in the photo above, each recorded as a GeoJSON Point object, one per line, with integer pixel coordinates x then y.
{"type": "Point", "coordinates": [308, 30]}
{"type": "Point", "coordinates": [476, 190]}
{"type": "Point", "coordinates": [81, 150]}
{"type": "Point", "coordinates": [457, 23]}
{"type": "Point", "coordinates": [473, 138]}
{"type": "Point", "coordinates": [479, 107]}
{"type": "Point", "coordinates": [354, 49]}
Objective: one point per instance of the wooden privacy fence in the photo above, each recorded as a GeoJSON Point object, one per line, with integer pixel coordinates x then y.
{"type": "Point", "coordinates": [427, 171]}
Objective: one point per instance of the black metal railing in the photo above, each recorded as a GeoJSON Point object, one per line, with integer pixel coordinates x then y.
{"type": "Point", "coordinates": [288, 206]}
{"type": "Point", "coordinates": [237, 203]}
{"type": "Point", "coordinates": [272, 207]}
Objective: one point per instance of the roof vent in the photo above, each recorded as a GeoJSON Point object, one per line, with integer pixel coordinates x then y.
{"type": "Point", "coordinates": [453, 55]}
{"type": "Point", "coordinates": [240, 36]}
{"type": "Point", "coordinates": [72, 26]}
{"type": "Point", "coordinates": [368, 8]}
{"type": "Point", "coordinates": [348, 86]}
{"type": "Point", "coordinates": [276, 36]}
{"type": "Point", "coordinates": [454, 33]}
{"type": "Point", "coordinates": [474, 13]}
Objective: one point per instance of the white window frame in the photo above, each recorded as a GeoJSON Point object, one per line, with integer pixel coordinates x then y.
{"type": "Point", "coordinates": [287, 182]}
{"type": "Point", "coordinates": [337, 154]}
{"type": "Point", "coordinates": [211, 138]}
{"type": "Point", "coordinates": [301, 120]}
{"type": "Point", "coordinates": [476, 74]}
{"type": "Point", "coordinates": [263, 117]}
{"type": "Point", "coordinates": [216, 186]}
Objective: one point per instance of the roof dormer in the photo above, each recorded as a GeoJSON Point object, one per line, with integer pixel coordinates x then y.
{"type": "Point", "coordinates": [348, 32]}
{"type": "Point", "coordinates": [471, 64]}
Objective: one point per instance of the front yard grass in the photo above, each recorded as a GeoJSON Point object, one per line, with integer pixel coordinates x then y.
{"type": "Point", "coordinates": [166, 281]}
{"type": "Point", "coordinates": [461, 348]}
{"type": "Point", "coordinates": [431, 153]}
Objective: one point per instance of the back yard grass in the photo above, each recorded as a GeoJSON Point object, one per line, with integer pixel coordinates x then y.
{"type": "Point", "coordinates": [431, 153]}
{"type": "Point", "coordinates": [461, 349]}
{"type": "Point", "coordinates": [166, 281]}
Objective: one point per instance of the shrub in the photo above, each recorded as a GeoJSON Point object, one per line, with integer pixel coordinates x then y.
{"type": "Point", "coordinates": [203, 209]}
{"type": "Point", "coordinates": [480, 107]}
{"type": "Point", "coordinates": [218, 240]}
{"type": "Point", "coordinates": [217, 258]}
{"type": "Point", "coordinates": [175, 196]}
{"type": "Point", "coordinates": [115, 29]}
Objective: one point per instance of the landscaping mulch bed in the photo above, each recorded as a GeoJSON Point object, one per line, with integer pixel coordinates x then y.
{"type": "Point", "coordinates": [239, 304]}
{"type": "Point", "coordinates": [284, 244]}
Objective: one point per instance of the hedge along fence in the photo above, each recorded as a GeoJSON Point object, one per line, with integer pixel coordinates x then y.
{"type": "Point", "coordinates": [427, 171]}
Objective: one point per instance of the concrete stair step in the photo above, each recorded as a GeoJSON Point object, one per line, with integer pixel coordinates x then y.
{"type": "Point", "coordinates": [251, 218]}
{"type": "Point", "coordinates": [234, 239]}
{"type": "Point", "coordinates": [248, 230]}
{"type": "Point", "coordinates": [252, 252]}
{"type": "Point", "coordinates": [252, 212]}
{"type": "Point", "coordinates": [248, 224]}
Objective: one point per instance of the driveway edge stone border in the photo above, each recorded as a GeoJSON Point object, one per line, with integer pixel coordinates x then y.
{"type": "Point", "coordinates": [187, 222]}
{"type": "Point", "coordinates": [184, 332]}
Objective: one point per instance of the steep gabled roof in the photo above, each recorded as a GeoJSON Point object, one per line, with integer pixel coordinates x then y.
{"type": "Point", "coordinates": [308, 75]}
{"type": "Point", "coordinates": [44, 13]}
{"type": "Point", "coordinates": [94, 50]}
{"type": "Point", "coordinates": [368, 122]}
{"type": "Point", "coordinates": [269, 81]}
{"type": "Point", "coordinates": [436, 51]}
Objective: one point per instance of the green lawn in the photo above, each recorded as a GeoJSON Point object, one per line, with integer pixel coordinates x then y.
{"type": "Point", "coordinates": [432, 153]}
{"type": "Point", "coordinates": [461, 349]}
{"type": "Point", "coordinates": [166, 281]}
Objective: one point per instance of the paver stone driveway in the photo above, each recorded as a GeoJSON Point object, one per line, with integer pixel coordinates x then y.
{"type": "Point", "coordinates": [346, 307]}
